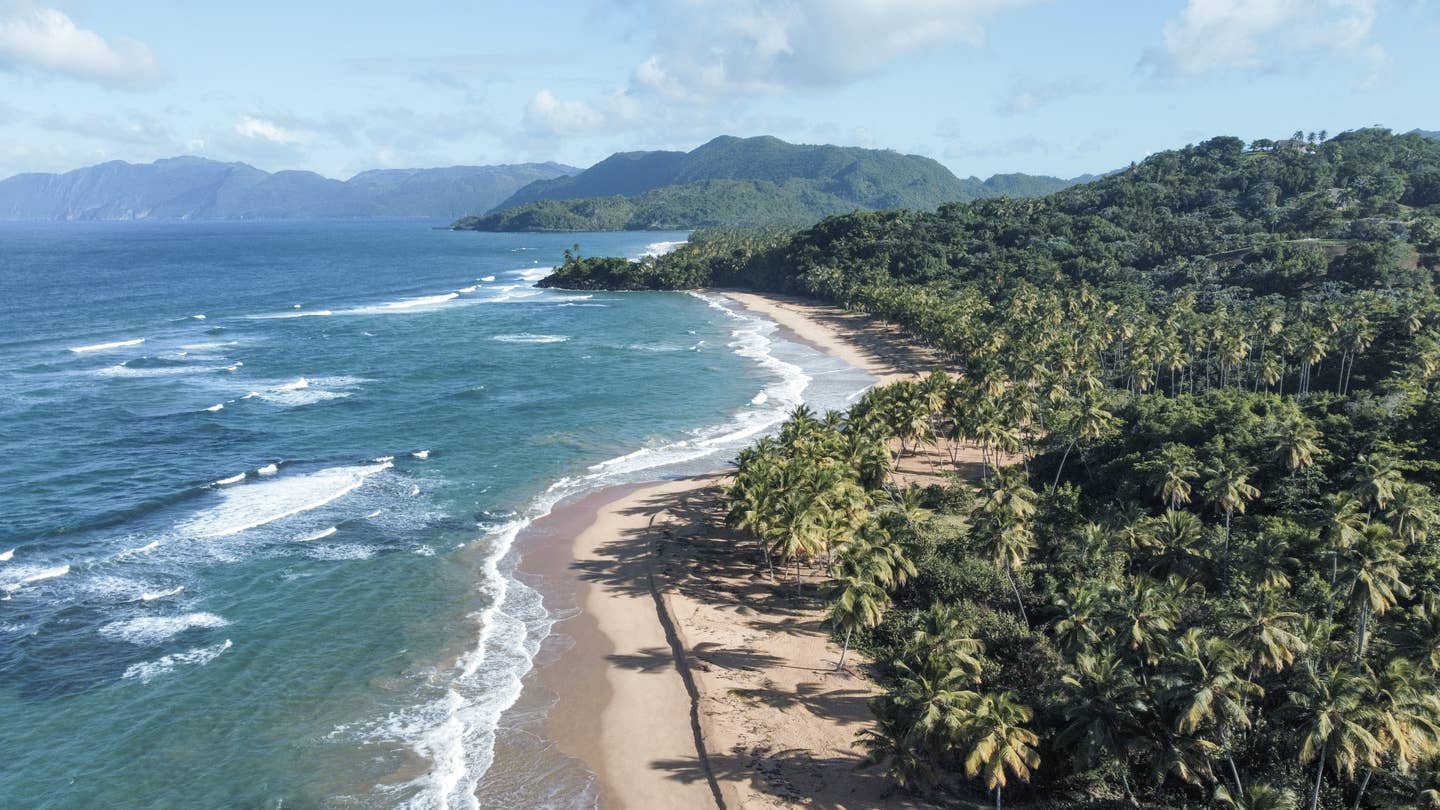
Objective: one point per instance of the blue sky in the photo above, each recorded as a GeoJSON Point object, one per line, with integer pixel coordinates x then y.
{"type": "Point", "coordinates": [1045, 86]}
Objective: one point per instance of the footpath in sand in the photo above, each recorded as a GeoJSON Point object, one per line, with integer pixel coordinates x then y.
{"type": "Point", "coordinates": [693, 680]}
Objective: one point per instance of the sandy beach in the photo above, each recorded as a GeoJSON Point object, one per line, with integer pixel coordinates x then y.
{"type": "Point", "coordinates": [685, 677]}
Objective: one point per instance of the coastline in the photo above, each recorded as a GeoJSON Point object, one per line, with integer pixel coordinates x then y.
{"type": "Point", "coordinates": [676, 674]}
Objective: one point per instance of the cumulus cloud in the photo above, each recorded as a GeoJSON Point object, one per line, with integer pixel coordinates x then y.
{"type": "Point", "coordinates": [47, 41]}
{"type": "Point", "coordinates": [262, 129]}
{"type": "Point", "coordinates": [547, 114]}
{"type": "Point", "coordinates": [705, 48]}
{"type": "Point", "coordinates": [1213, 35]}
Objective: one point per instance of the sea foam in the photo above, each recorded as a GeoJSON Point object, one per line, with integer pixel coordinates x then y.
{"type": "Point", "coordinates": [252, 505]}
{"type": "Point", "coordinates": [105, 347]}
{"type": "Point", "coordinates": [200, 656]}
{"type": "Point", "coordinates": [526, 337]}
{"type": "Point", "coordinates": [147, 631]}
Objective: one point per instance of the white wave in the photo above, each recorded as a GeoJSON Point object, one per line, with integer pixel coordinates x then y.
{"type": "Point", "coordinates": [374, 514]}
{"type": "Point", "coordinates": [198, 317]}
{"type": "Point", "coordinates": [7, 556]}
{"type": "Point", "coordinates": [247, 507]}
{"type": "Point", "coordinates": [661, 248]}
{"type": "Point", "coordinates": [760, 398]}
{"type": "Point", "coordinates": [234, 479]}
{"type": "Point", "coordinates": [150, 546]}
{"type": "Point", "coordinates": [147, 631]}
{"type": "Point", "coordinates": [307, 391]}
{"type": "Point", "coordinates": [382, 459]}
{"type": "Point", "coordinates": [526, 337]}
{"type": "Point", "coordinates": [199, 656]}
{"type": "Point", "coordinates": [421, 454]}
{"type": "Point", "coordinates": [534, 273]}
{"type": "Point", "coordinates": [35, 575]}
{"type": "Point", "coordinates": [404, 305]}
{"type": "Point", "coordinates": [151, 596]}
{"type": "Point", "coordinates": [268, 469]}
{"type": "Point", "coordinates": [105, 347]}
{"type": "Point", "coordinates": [414, 490]}
{"type": "Point", "coordinates": [472, 288]}
{"type": "Point", "coordinates": [487, 278]}
{"type": "Point", "coordinates": [216, 407]}
{"type": "Point", "coordinates": [122, 370]}
{"type": "Point", "coordinates": [318, 535]}
{"type": "Point", "coordinates": [342, 552]}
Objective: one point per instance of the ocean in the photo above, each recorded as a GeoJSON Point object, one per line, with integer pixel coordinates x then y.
{"type": "Point", "coordinates": [262, 482]}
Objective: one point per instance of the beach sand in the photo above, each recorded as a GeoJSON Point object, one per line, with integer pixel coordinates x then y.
{"type": "Point", "coordinates": [685, 677]}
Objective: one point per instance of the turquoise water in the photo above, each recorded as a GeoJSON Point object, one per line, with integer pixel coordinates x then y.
{"type": "Point", "coordinates": [261, 482]}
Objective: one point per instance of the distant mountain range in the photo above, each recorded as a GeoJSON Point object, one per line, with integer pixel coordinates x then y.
{"type": "Point", "coordinates": [196, 188]}
{"type": "Point", "coordinates": [1427, 133]}
{"type": "Point", "coordinates": [741, 181]}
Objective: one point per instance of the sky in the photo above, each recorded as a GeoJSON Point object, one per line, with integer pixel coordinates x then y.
{"type": "Point", "coordinates": [1061, 87]}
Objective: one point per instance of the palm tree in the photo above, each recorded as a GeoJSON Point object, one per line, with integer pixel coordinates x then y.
{"type": "Point", "coordinates": [1406, 720]}
{"type": "Point", "coordinates": [1267, 633]}
{"type": "Point", "coordinates": [1102, 710]}
{"type": "Point", "coordinates": [1256, 797]}
{"type": "Point", "coordinates": [861, 605]}
{"type": "Point", "coordinates": [1004, 510]}
{"type": "Point", "coordinates": [1179, 537]}
{"type": "Point", "coordinates": [1206, 692]}
{"type": "Point", "coordinates": [1172, 471]}
{"type": "Point", "coordinates": [1080, 626]}
{"type": "Point", "coordinates": [1295, 444]}
{"type": "Point", "coordinates": [1000, 745]}
{"type": "Point", "coordinates": [1371, 578]}
{"type": "Point", "coordinates": [1146, 616]}
{"type": "Point", "coordinates": [944, 631]}
{"type": "Point", "coordinates": [1379, 478]}
{"type": "Point", "coordinates": [1335, 717]}
{"type": "Point", "coordinates": [1228, 489]}
{"type": "Point", "coordinates": [1089, 422]}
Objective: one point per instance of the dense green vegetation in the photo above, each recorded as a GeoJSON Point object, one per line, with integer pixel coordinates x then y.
{"type": "Point", "coordinates": [1200, 567]}
{"type": "Point", "coordinates": [740, 182]}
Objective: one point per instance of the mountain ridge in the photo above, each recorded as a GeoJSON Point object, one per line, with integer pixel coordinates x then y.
{"type": "Point", "coordinates": [742, 181]}
{"type": "Point", "coordinates": [189, 187]}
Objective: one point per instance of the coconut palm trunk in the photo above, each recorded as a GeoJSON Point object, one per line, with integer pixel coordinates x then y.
{"type": "Point", "coordinates": [1319, 774]}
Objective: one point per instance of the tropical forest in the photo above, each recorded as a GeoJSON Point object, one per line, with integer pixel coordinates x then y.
{"type": "Point", "coordinates": [1185, 550]}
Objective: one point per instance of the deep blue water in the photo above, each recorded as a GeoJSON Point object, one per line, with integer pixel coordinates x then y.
{"type": "Point", "coordinates": [261, 558]}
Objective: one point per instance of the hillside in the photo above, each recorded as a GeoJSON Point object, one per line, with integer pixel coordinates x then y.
{"type": "Point", "coordinates": [1196, 562]}
{"type": "Point", "coordinates": [196, 188]}
{"type": "Point", "coordinates": [741, 181]}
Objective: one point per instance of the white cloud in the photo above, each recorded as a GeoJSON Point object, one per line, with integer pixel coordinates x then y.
{"type": "Point", "coordinates": [547, 114]}
{"type": "Point", "coordinates": [1213, 35]}
{"type": "Point", "coordinates": [707, 48]}
{"type": "Point", "coordinates": [47, 41]}
{"type": "Point", "coordinates": [261, 129]}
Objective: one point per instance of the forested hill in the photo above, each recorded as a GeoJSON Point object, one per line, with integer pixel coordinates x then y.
{"type": "Point", "coordinates": [741, 181]}
{"type": "Point", "coordinates": [196, 188]}
{"type": "Point", "coordinates": [1199, 562]}
{"type": "Point", "coordinates": [1274, 216]}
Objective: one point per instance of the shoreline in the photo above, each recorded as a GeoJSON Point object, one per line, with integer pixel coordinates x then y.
{"type": "Point", "coordinates": [649, 682]}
